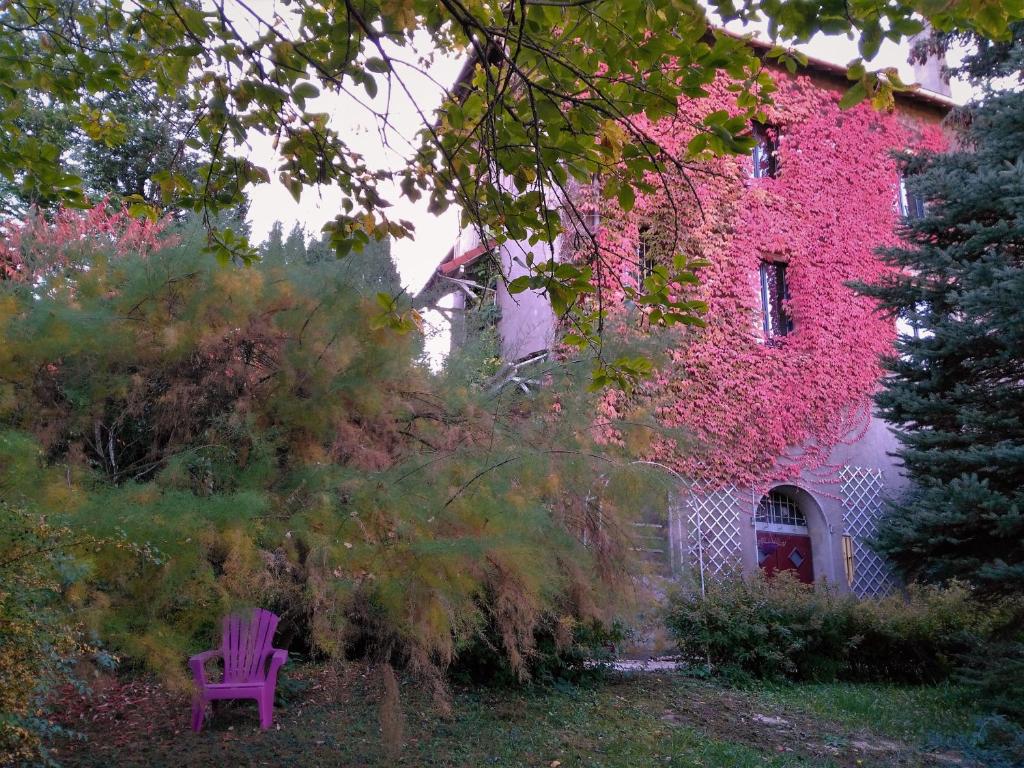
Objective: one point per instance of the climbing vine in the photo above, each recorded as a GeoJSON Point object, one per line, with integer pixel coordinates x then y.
{"type": "Point", "coordinates": [767, 411]}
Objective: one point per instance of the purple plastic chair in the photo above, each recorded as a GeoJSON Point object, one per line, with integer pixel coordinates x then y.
{"type": "Point", "coordinates": [250, 666]}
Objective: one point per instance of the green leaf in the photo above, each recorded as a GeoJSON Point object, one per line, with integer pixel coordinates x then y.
{"type": "Point", "coordinates": [627, 197]}
{"type": "Point", "coordinates": [306, 90]}
{"type": "Point", "coordinates": [519, 284]}
{"type": "Point", "coordinates": [870, 39]}
{"type": "Point", "coordinates": [574, 340]}
{"type": "Point", "coordinates": [854, 95]}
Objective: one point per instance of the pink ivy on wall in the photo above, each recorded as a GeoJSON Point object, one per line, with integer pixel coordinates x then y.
{"type": "Point", "coordinates": [767, 412]}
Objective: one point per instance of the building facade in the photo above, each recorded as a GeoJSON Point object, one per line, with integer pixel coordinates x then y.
{"type": "Point", "coordinates": [790, 468]}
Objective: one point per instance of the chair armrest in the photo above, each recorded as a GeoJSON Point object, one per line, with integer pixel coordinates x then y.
{"type": "Point", "coordinates": [198, 665]}
{"type": "Point", "coordinates": [278, 658]}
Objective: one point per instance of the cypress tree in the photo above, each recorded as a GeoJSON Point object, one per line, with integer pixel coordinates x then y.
{"type": "Point", "coordinates": [272, 249]}
{"type": "Point", "coordinates": [295, 245]}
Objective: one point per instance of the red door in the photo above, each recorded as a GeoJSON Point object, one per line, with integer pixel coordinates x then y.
{"type": "Point", "coordinates": [785, 552]}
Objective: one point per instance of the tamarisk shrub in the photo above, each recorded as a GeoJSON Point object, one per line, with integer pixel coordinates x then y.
{"type": "Point", "coordinates": [261, 436]}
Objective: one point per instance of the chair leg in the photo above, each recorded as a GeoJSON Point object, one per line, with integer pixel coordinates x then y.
{"type": "Point", "coordinates": [266, 705]}
{"type": "Point", "coordinates": [198, 714]}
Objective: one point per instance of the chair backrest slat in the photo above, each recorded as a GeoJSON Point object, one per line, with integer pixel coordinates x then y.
{"type": "Point", "coordinates": [247, 641]}
{"type": "Point", "coordinates": [263, 639]}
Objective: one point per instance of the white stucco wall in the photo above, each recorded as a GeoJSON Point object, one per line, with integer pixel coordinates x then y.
{"type": "Point", "coordinates": [527, 324]}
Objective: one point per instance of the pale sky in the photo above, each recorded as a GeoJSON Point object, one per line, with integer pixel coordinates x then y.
{"type": "Point", "coordinates": [416, 259]}
{"type": "Point", "coordinates": [434, 234]}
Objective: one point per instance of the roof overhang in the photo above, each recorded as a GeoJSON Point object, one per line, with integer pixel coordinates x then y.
{"type": "Point", "coordinates": [441, 282]}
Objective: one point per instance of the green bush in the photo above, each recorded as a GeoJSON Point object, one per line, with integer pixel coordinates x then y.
{"type": "Point", "coordinates": [753, 627]}
{"type": "Point", "coordinates": [920, 636]}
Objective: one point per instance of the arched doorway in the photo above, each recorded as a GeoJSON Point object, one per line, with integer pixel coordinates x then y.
{"type": "Point", "coordinates": [783, 538]}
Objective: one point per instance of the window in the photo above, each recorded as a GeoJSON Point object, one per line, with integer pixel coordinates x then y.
{"type": "Point", "coordinates": [913, 323]}
{"type": "Point", "coordinates": [779, 509]}
{"type": "Point", "coordinates": [645, 261]}
{"type": "Point", "coordinates": [774, 292]}
{"type": "Point", "coordinates": [906, 325]}
{"type": "Point", "coordinates": [591, 226]}
{"type": "Point", "coordinates": [909, 204]}
{"type": "Point", "coordinates": [766, 151]}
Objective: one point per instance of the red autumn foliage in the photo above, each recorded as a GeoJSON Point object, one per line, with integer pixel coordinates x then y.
{"type": "Point", "coordinates": [40, 241]}
{"type": "Point", "coordinates": [766, 412]}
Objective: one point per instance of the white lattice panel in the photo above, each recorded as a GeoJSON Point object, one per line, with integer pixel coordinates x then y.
{"type": "Point", "coordinates": [713, 528]}
{"type": "Point", "coordinates": [861, 490]}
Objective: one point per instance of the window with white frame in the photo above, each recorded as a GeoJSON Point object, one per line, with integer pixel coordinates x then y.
{"type": "Point", "coordinates": [778, 511]}
{"type": "Point", "coordinates": [766, 150]}
{"type": "Point", "coordinates": [909, 204]}
{"type": "Point", "coordinates": [645, 260]}
{"type": "Point", "coordinates": [776, 321]}
{"type": "Point", "coordinates": [590, 219]}
{"type": "Point", "coordinates": [912, 323]}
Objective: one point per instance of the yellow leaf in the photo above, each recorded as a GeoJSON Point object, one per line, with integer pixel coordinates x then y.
{"type": "Point", "coordinates": [400, 13]}
{"type": "Point", "coordinates": [613, 136]}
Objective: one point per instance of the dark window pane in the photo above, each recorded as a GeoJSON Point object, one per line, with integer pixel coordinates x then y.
{"type": "Point", "coordinates": [645, 261]}
{"type": "Point", "coordinates": [777, 508]}
{"type": "Point", "coordinates": [766, 151]}
{"type": "Point", "coordinates": [774, 292]}
{"type": "Point", "coordinates": [912, 205]}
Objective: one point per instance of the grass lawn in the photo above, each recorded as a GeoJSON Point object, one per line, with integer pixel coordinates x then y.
{"type": "Point", "coordinates": [623, 721]}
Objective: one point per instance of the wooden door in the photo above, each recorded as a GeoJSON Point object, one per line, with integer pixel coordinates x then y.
{"type": "Point", "coordinates": [785, 552]}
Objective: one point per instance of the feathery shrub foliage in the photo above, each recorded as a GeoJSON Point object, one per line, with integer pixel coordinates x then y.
{"type": "Point", "coordinates": [263, 435]}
